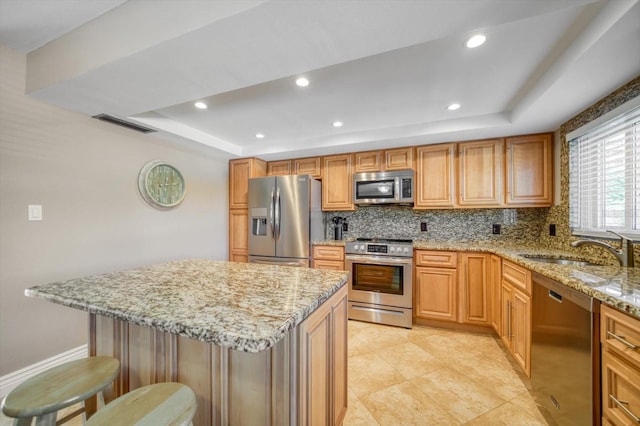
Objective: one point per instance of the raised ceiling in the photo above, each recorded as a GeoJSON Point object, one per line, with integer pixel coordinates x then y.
{"type": "Point", "coordinates": [387, 69]}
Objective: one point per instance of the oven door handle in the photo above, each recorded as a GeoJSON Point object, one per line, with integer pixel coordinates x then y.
{"type": "Point", "coordinates": [379, 260]}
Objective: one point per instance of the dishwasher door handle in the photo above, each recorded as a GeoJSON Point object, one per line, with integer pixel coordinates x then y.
{"type": "Point", "coordinates": [555, 296]}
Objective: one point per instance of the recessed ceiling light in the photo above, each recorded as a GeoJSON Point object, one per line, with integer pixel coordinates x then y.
{"type": "Point", "coordinates": [259, 135]}
{"type": "Point", "coordinates": [200, 105]}
{"type": "Point", "coordinates": [302, 82]}
{"type": "Point", "coordinates": [476, 40]}
{"type": "Point", "coordinates": [453, 107]}
{"type": "Point", "coordinates": [337, 124]}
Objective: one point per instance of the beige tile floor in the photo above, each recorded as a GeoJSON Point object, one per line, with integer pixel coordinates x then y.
{"type": "Point", "coordinates": [428, 376]}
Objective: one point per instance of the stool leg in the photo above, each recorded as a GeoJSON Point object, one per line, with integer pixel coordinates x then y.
{"type": "Point", "coordinates": [24, 421]}
{"type": "Point", "coordinates": [48, 419]}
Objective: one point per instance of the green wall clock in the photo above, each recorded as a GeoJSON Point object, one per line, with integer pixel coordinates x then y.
{"type": "Point", "coordinates": [161, 185]}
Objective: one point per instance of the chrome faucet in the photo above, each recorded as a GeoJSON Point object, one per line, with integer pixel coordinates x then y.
{"type": "Point", "coordinates": [624, 254]}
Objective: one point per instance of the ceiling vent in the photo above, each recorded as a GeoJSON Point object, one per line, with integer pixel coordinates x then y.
{"type": "Point", "coordinates": [123, 123]}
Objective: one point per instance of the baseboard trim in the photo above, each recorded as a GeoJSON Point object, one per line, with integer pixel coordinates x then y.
{"type": "Point", "coordinates": [12, 380]}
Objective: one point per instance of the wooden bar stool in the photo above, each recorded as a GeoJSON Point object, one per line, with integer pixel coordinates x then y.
{"type": "Point", "coordinates": [152, 405]}
{"type": "Point", "coordinates": [59, 387]}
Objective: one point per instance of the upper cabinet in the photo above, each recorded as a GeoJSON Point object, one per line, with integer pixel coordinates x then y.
{"type": "Point", "coordinates": [337, 183]}
{"type": "Point", "coordinates": [380, 161]}
{"type": "Point", "coordinates": [529, 171]}
{"type": "Point", "coordinates": [308, 166]}
{"type": "Point", "coordinates": [279, 168]}
{"type": "Point", "coordinates": [240, 171]}
{"type": "Point", "coordinates": [480, 166]}
{"type": "Point", "coordinates": [435, 176]}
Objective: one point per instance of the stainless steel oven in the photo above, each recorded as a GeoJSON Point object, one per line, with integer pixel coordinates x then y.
{"type": "Point", "coordinates": [380, 282]}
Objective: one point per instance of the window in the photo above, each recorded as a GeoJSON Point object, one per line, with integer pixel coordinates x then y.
{"type": "Point", "coordinates": [604, 173]}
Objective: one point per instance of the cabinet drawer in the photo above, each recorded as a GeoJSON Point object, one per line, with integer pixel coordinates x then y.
{"type": "Point", "coordinates": [517, 276]}
{"type": "Point", "coordinates": [620, 390]}
{"type": "Point", "coordinates": [333, 265]}
{"type": "Point", "coordinates": [328, 253]}
{"type": "Point", "coordinates": [442, 259]}
{"type": "Point", "coordinates": [620, 333]}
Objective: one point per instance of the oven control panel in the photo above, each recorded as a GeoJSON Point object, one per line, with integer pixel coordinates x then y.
{"type": "Point", "coordinates": [379, 248]}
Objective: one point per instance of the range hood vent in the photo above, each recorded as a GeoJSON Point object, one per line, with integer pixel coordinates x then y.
{"type": "Point", "coordinates": [123, 123]}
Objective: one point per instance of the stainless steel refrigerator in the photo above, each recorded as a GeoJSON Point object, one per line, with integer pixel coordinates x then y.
{"type": "Point", "coordinates": [285, 217]}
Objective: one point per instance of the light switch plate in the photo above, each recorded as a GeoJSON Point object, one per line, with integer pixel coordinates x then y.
{"type": "Point", "coordinates": [35, 212]}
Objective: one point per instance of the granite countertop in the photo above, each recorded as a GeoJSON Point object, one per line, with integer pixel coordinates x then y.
{"type": "Point", "coordinates": [616, 286]}
{"type": "Point", "coordinates": [242, 306]}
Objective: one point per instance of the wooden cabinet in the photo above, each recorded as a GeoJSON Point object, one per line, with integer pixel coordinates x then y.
{"type": "Point", "coordinates": [368, 161]}
{"type": "Point", "coordinates": [337, 183]}
{"type": "Point", "coordinates": [474, 289]}
{"type": "Point", "coordinates": [480, 165]}
{"type": "Point", "coordinates": [308, 166]}
{"type": "Point", "coordinates": [516, 313]}
{"type": "Point", "coordinates": [435, 176]}
{"type": "Point", "coordinates": [495, 279]}
{"type": "Point", "coordinates": [398, 159]}
{"type": "Point", "coordinates": [323, 363]}
{"type": "Point", "coordinates": [328, 257]}
{"type": "Point", "coordinates": [436, 286]}
{"type": "Point", "coordinates": [529, 170]}
{"type": "Point", "coordinates": [240, 171]}
{"type": "Point", "coordinates": [620, 340]}
{"type": "Point", "coordinates": [279, 168]}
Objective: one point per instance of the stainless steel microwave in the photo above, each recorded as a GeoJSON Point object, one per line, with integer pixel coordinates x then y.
{"type": "Point", "coordinates": [394, 187]}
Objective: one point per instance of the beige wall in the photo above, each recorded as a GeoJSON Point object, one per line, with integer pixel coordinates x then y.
{"type": "Point", "coordinates": [84, 174]}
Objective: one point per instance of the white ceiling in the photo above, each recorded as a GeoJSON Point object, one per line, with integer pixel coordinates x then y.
{"type": "Point", "coordinates": [386, 68]}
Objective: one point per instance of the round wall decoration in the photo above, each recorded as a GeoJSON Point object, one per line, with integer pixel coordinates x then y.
{"type": "Point", "coordinates": [161, 185]}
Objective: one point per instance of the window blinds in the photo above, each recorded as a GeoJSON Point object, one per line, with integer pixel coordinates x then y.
{"type": "Point", "coordinates": [604, 176]}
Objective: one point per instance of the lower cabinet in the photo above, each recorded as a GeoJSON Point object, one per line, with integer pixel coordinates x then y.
{"type": "Point", "coordinates": [323, 363]}
{"type": "Point", "coordinates": [474, 289]}
{"type": "Point", "coordinates": [495, 280]}
{"type": "Point", "coordinates": [620, 374]}
{"type": "Point", "coordinates": [238, 235]}
{"type": "Point", "coordinates": [436, 285]}
{"type": "Point", "coordinates": [515, 329]}
{"type": "Point", "coordinates": [328, 257]}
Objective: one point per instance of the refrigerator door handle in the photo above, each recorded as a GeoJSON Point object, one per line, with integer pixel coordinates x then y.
{"type": "Point", "coordinates": [276, 230]}
{"type": "Point", "coordinates": [271, 204]}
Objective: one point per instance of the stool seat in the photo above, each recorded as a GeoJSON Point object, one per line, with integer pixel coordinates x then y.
{"type": "Point", "coordinates": [60, 387]}
{"type": "Point", "coordinates": [152, 405]}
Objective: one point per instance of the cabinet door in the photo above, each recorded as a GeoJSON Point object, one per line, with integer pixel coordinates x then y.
{"type": "Point", "coordinates": [337, 183]}
{"type": "Point", "coordinates": [238, 235]}
{"type": "Point", "coordinates": [475, 296]}
{"type": "Point", "coordinates": [279, 168]}
{"type": "Point", "coordinates": [436, 294]}
{"type": "Point", "coordinates": [367, 161]}
{"type": "Point", "coordinates": [308, 166]}
{"type": "Point", "coordinates": [480, 171]}
{"type": "Point", "coordinates": [240, 171]}
{"type": "Point", "coordinates": [530, 170]}
{"type": "Point", "coordinates": [506, 320]}
{"type": "Point", "coordinates": [398, 159]}
{"type": "Point", "coordinates": [435, 176]}
{"type": "Point", "coordinates": [521, 324]}
{"type": "Point", "coordinates": [495, 307]}
{"type": "Point", "coordinates": [620, 390]}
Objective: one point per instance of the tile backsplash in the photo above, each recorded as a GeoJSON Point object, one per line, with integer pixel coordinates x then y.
{"type": "Point", "coordinates": [517, 225]}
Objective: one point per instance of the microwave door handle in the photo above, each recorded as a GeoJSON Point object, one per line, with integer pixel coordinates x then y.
{"type": "Point", "coordinates": [271, 207]}
{"type": "Point", "coordinates": [277, 215]}
{"type": "Point", "coordinates": [398, 184]}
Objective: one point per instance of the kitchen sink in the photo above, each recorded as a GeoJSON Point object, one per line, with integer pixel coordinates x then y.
{"type": "Point", "coordinates": [557, 260]}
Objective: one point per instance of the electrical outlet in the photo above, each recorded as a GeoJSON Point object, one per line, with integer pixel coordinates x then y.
{"type": "Point", "coordinates": [345, 226]}
{"type": "Point", "coordinates": [423, 226]}
{"type": "Point", "coordinates": [552, 229]}
{"type": "Point", "coordinates": [496, 228]}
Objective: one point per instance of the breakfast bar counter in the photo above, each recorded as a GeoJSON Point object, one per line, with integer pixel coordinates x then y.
{"type": "Point", "coordinates": [257, 343]}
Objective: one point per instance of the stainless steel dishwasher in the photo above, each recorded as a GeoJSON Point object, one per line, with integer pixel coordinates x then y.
{"type": "Point", "coordinates": [565, 352]}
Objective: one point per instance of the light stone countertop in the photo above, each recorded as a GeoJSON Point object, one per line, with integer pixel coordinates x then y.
{"type": "Point", "coordinates": [616, 286]}
{"type": "Point", "coordinates": [247, 307]}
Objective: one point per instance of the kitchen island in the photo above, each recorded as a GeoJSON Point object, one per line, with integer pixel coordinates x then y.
{"type": "Point", "coordinates": [258, 344]}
